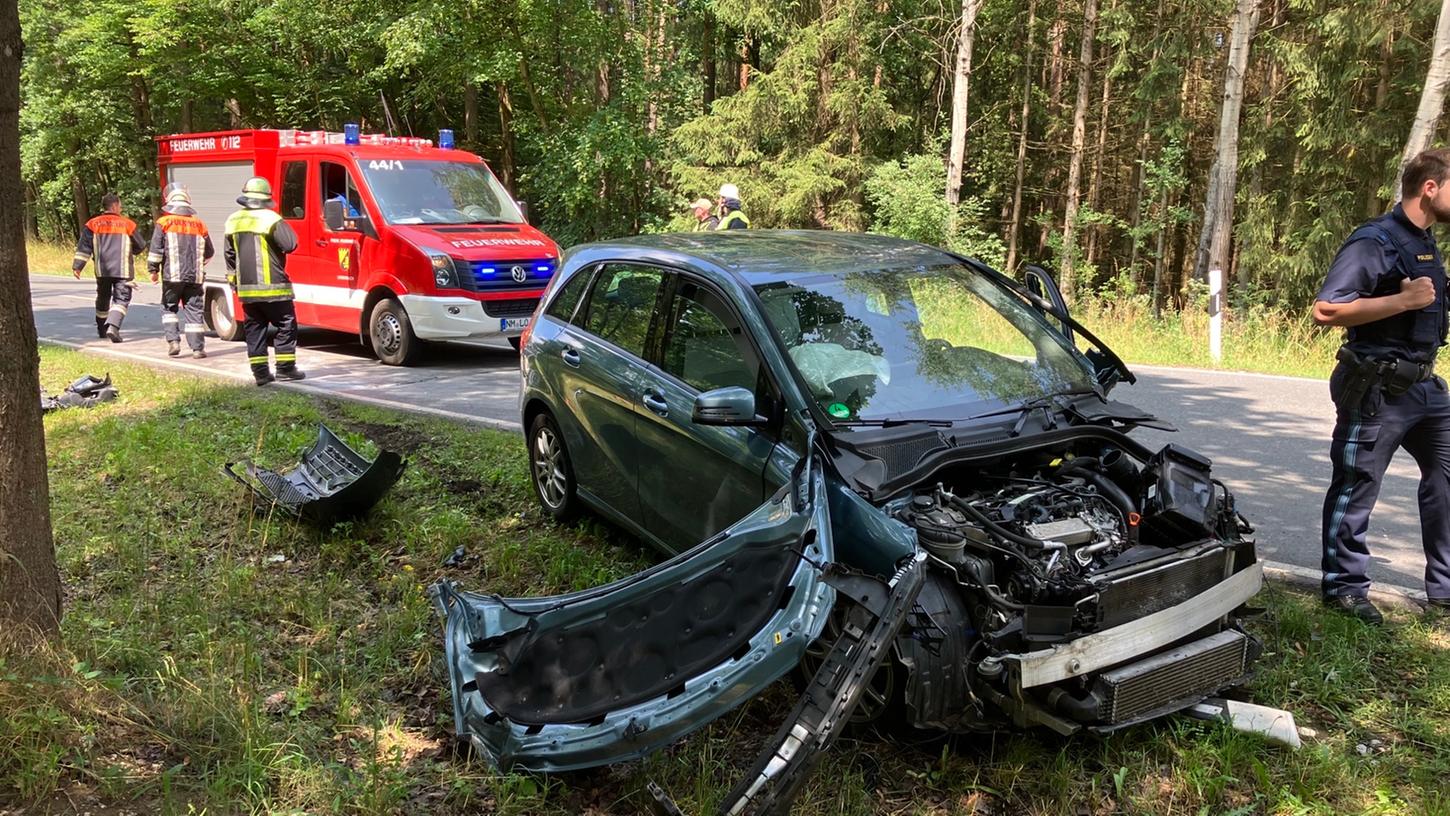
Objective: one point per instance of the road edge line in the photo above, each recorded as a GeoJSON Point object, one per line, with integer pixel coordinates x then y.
{"type": "Point", "coordinates": [1306, 578]}
{"type": "Point", "coordinates": [151, 362]}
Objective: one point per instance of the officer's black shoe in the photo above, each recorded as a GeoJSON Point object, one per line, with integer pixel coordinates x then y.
{"type": "Point", "coordinates": [1441, 604]}
{"type": "Point", "coordinates": [173, 348]}
{"type": "Point", "coordinates": [290, 373]}
{"type": "Point", "coordinates": [113, 334]}
{"type": "Point", "coordinates": [1356, 607]}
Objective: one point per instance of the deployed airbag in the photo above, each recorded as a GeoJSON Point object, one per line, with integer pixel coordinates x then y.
{"type": "Point", "coordinates": [331, 483]}
{"type": "Point", "coordinates": [820, 364]}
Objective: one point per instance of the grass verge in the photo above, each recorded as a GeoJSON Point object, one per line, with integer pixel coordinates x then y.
{"type": "Point", "coordinates": [216, 660]}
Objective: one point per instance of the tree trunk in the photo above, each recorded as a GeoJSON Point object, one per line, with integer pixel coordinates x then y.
{"type": "Point", "coordinates": [1158, 255]}
{"type": "Point", "coordinates": [1432, 95]}
{"type": "Point", "coordinates": [707, 59]}
{"type": "Point", "coordinates": [1095, 178]}
{"type": "Point", "coordinates": [1026, 119]}
{"type": "Point", "coordinates": [470, 115]}
{"type": "Point", "coordinates": [508, 162]}
{"type": "Point", "coordinates": [186, 116]}
{"type": "Point", "coordinates": [961, 84]}
{"type": "Point", "coordinates": [79, 199]}
{"type": "Point", "coordinates": [1079, 139]}
{"type": "Point", "coordinates": [29, 581]}
{"type": "Point", "coordinates": [1218, 208]}
{"type": "Point", "coordinates": [1372, 201]}
{"type": "Point", "coordinates": [234, 113]}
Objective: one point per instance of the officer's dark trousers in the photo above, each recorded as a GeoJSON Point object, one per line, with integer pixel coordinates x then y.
{"type": "Point", "coordinates": [257, 317]}
{"type": "Point", "coordinates": [1364, 441]}
{"type": "Point", "coordinates": [113, 298]}
{"type": "Point", "coordinates": [188, 299]}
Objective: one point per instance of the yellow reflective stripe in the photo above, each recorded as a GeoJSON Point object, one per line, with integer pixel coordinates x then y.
{"type": "Point", "coordinates": [83, 257]}
{"type": "Point", "coordinates": [286, 358]}
{"type": "Point", "coordinates": [258, 360]}
{"type": "Point", "coordinates": [245, 292]}
{"type": "Point", "coordinates": [265, 257]}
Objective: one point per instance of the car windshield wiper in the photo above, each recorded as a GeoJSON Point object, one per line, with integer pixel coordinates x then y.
{"type": "Point", "coordinates": [1045, 403]}
{"type": "Point", "coordinates": [890, 423]}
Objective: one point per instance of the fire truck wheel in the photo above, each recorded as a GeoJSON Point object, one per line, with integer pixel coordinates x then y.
{"type": "Point", "coordinates": [219, 318]}
{"type": "Point", "coordinates": [392, 334]}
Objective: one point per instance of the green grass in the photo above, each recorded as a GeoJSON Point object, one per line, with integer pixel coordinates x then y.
{"type": "Point", "coordinates": [47, 258]}
{"type": "Point", "coordinates": [198, 673]}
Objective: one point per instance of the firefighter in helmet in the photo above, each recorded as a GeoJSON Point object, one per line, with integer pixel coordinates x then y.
{"type": "Point", "coordinates": [731, 216]}
{"type": "Point", "coordinates": [180, 248]}
{"type": "Point", "coordinates": [110, 241]}
{"type": "Point", "coordinates": [257, 244]}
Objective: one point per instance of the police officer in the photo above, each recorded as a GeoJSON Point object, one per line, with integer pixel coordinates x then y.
{"type": "Point", "coordinates": [257, 244]}
{"type": "Point", "coordinates": [180, 247]}
{"type": "Point", "coordinates": [730, 215]}
{"type": "Point", "coordinates": [1386, 287]}
{"type": "Point", "coordinates": [110, 240]}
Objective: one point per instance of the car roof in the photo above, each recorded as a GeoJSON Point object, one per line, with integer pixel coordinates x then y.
{"type": "Point", "coordinates": [765, 256]}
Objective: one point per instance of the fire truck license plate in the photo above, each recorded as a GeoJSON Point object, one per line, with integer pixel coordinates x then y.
{"type": "Point", "coordinates": [514, 323]}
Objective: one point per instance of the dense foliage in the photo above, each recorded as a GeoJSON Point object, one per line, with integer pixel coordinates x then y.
{"type": "Point", "coordinates": [609, 116]}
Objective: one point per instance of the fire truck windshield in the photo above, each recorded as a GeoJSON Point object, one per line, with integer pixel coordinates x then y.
{"type": "Point", "coordinates": [411, 191]}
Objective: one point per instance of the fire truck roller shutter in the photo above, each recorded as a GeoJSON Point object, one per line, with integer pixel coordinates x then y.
{"type": "Point", "coordinates": [213, 189]}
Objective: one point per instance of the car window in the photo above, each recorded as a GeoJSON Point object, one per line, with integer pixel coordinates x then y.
{"type": "Point", "coordinates": [706, 346]}
{"type": "Point", "coordinates": [294, 189]}
{"type": "Point", "coordinates": [621, 303]}
{"type": "Point", "coordinates": [566, 302]}
{"type": "Point", "coordinates": [337, 184]}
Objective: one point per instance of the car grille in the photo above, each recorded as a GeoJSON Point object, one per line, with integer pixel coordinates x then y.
{"type": "Point", "coordinates": [491, 276]}
{"type": "Point", "coordinates": [1134, 596]}
{"type": "Point", "coordinates": [520, 307]}
{"type": "Point", "coordinates": [1175, 676]}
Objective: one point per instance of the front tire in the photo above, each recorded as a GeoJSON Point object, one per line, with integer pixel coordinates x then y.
{"type": "Point", "coordinates": [391, 333]}
{"type": "Point", "coordinates": [219, 317]}
{"type": "Point", "coordinates": [551, 470]}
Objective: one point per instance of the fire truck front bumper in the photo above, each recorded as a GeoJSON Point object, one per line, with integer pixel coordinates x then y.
{"type": "Point", "coordinates": [452, 318]}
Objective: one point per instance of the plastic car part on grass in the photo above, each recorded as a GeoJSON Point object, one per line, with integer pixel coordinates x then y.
{"type": "Point", "coordinates": [331, 483]}
{"type": "Point", "coordinates": [86, 392]}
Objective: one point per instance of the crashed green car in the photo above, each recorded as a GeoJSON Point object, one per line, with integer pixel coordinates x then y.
{"type": "Point", "coordinates": [879, 464]}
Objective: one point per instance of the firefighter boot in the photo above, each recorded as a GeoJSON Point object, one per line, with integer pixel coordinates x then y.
{"type": "Point", "coordinates": [199, 354]}
{"type": "Point", "coordinates": [262, 374]}
{"type": "Point", "coordinates": [173, 348]}
{"type": "Point", "coordinates": [113, 333]}
{"type": "Point", "coordinates": [290, 372]}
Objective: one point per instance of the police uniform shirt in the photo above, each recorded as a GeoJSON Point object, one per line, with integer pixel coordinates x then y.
{"type": "Point", "coordinates": [1372, 264]}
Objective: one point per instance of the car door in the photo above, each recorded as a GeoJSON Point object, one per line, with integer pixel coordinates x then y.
{"type": "Point", "coordinates": [696, 479]}
{"type": "Point", "coordinates": [334, 256]}
{"type": "Point", "coordinates": [299, 211]}
{"type": "Point", "coordinates": [611, 673]}
{"type": "Point", "coordinates": [602, 376]}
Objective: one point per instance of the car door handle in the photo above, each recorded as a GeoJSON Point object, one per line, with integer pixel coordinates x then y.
{"type": "Point", "coordinates": [570, 357]}
{"type": "Point", "coordinates": [655, 401]}
{"type": "Point", "coordinates": [322, 242]}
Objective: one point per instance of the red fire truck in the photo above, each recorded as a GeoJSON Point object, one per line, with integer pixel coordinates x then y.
{"type": "Point", "coordinates": [398, 240]}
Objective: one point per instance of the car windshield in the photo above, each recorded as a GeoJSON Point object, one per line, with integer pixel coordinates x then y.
{"type": "Point", "coordinates": [935, 342]}
{"type": "Point", "coordinates": [410, 191]}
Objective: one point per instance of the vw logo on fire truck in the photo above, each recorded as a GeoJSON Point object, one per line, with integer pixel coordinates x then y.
{"type": "Point", "coordinates": [519, 274]}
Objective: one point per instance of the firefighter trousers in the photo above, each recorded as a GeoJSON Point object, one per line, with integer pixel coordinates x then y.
{"type": "Point", "coordinates": [258, 315]}
{"type": "Point", "coordinates": [1366, 436]}
{"type": "Point", "coordinates": [186, 298]}
{"type": "Point", "coordinates": [113, 298]}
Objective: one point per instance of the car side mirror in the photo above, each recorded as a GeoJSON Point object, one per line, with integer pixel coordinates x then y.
{"type": "Point", "coordinates": [1041, 283]}
{"type": "Point", "coordinates": [523, 209]}
{"type": "Point", "coordinates": [332, 215]}
{"type": "Point", "coordinates": [731, 405]}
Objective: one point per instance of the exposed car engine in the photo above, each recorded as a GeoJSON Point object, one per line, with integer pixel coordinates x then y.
{"type": "Point", "coordinates": [1045, 551]}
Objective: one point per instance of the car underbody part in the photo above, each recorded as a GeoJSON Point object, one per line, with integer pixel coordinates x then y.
{"type": "Point", "coordinates": [86, 392]}
{"type": "Point", "coordinates": [332, 482]}
{"type": "Point", "coordinates": [877, 613]}
{"type": "Point", "coordinates": [1273, 724]}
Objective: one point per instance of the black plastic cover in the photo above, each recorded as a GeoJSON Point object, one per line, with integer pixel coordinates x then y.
{"type": "Point", "coordinates": [331, 483]}
{"type": "Point", "coordinates": [1179, 501]}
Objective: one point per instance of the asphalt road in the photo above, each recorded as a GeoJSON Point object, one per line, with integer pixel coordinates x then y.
{"type": "Point", "coordinates": [1268, 435]}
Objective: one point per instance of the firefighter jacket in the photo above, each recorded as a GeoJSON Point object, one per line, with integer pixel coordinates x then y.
{"type": "Point", "coordinates": [257, 243]}
{"type": "Point", "coordinates": [110, 240]}
{"type": "Point", "coordinates": [733, 217]}
{"type": "Point", "coordinates": [180, 247]}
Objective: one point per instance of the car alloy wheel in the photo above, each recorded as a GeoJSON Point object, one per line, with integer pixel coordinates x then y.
{"type": "Point", "coordinates": [881, 694]}
{"type": "Point", "coordinates": [552, 471]}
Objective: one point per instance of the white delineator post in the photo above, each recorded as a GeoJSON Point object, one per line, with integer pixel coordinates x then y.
{"type": "Point", "coordinates": [1215, 314]}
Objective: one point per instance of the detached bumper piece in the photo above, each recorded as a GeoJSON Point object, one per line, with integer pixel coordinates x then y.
{"type": "Point", "coordinates": [86, 392]}
{"type": "Point", "coordinates": [331, 483]}
{"type": "Point", "coordinates": [823, 712]}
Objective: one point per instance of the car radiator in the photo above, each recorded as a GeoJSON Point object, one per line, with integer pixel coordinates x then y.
{"type": "Point", "coordinates": [1177, 675]}
{"type": "Point", "coordinates": [1144, 593]}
